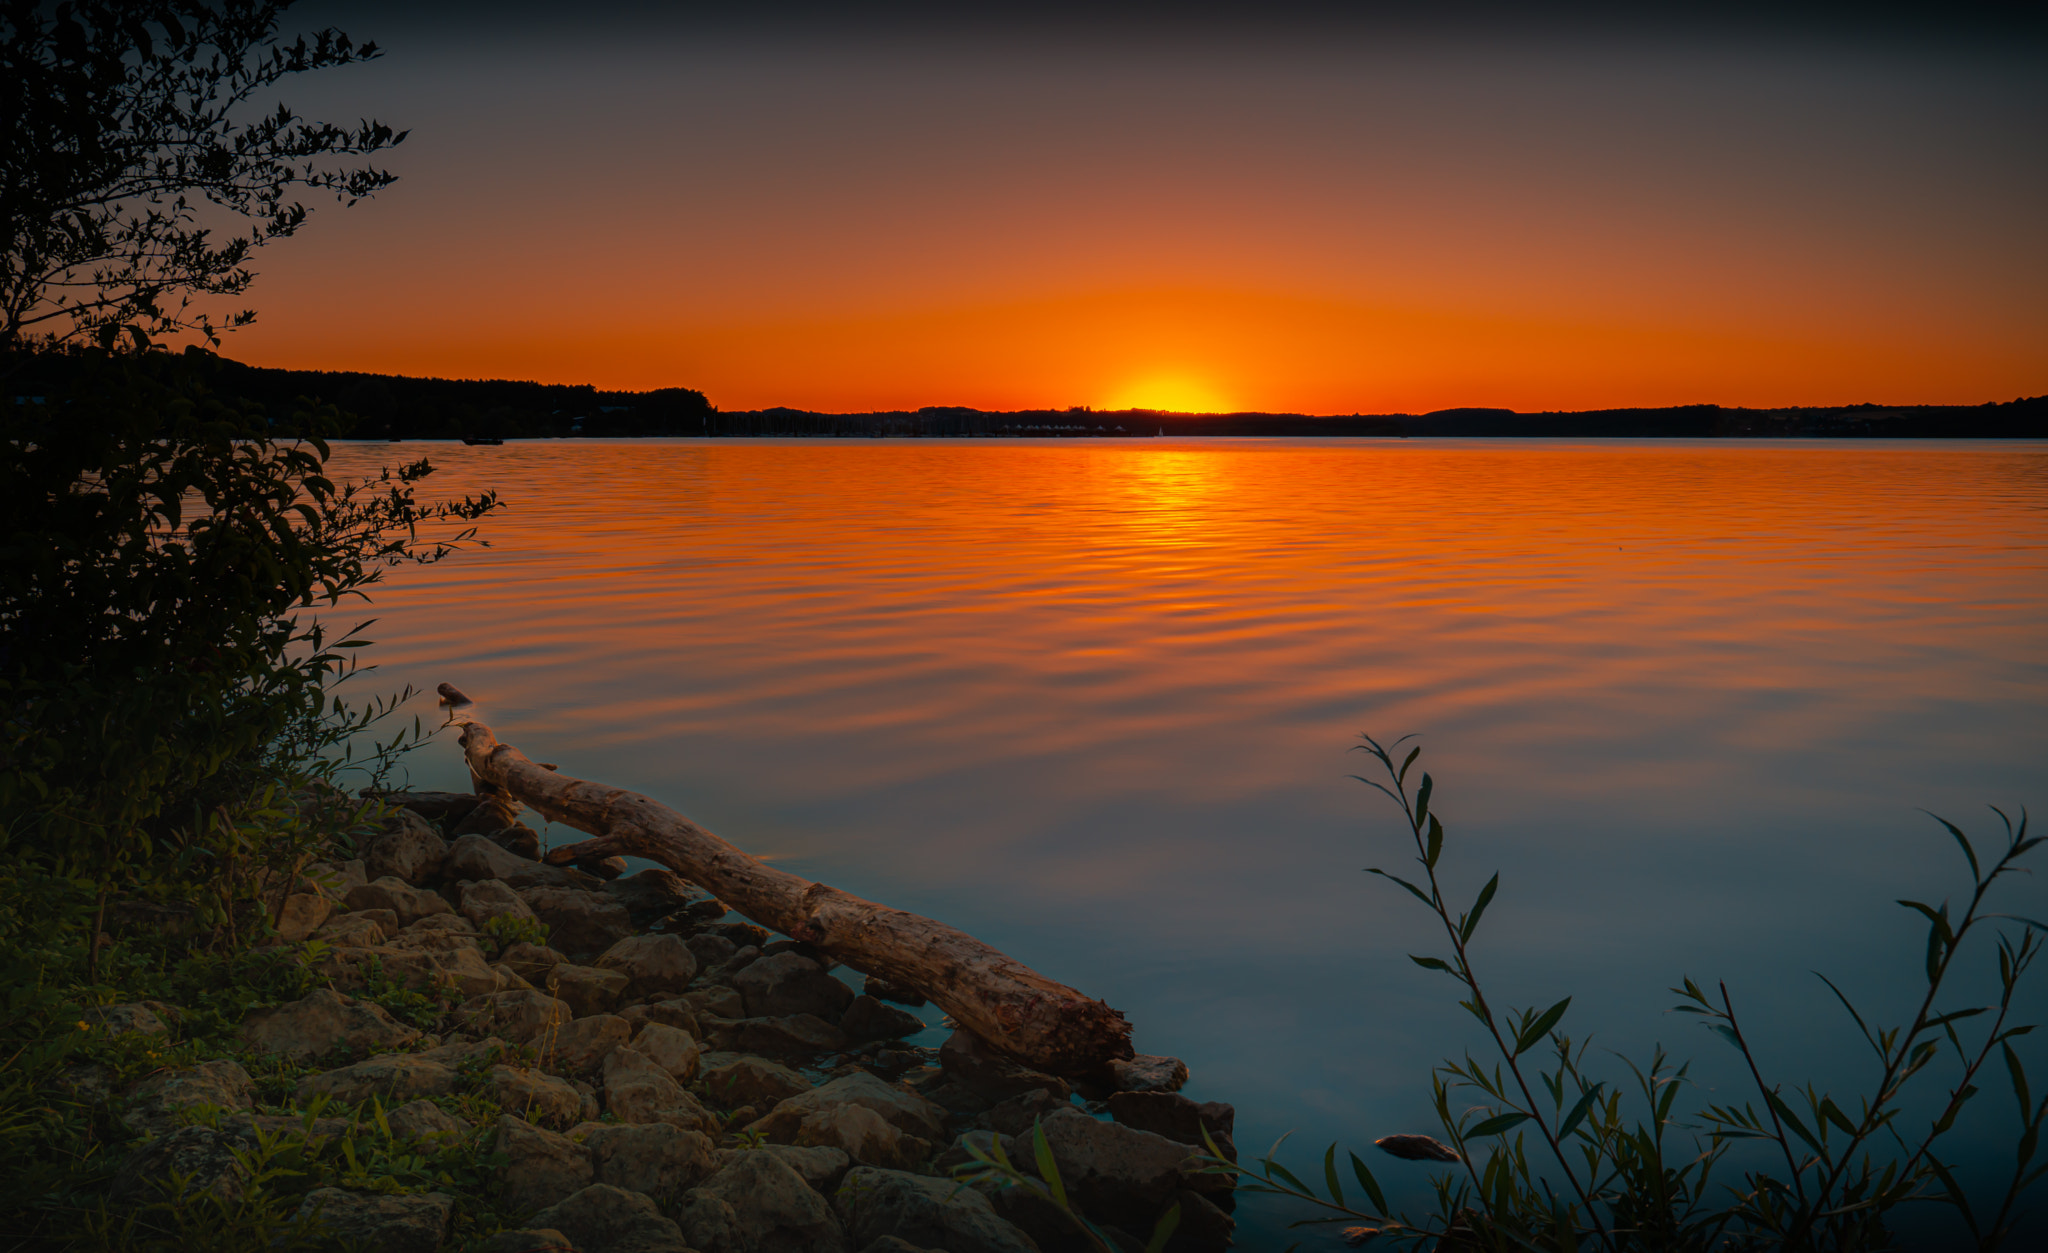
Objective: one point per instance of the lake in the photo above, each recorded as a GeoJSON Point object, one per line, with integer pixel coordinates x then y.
{"type": "Point", "coordinates": [1093, 700]}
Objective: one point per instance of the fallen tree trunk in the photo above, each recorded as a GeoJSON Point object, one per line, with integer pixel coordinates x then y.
{"type": "Point", "coordinates": [1044, 1024]}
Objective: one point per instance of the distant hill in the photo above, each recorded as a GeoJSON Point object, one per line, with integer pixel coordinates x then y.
{"type": "Point", "coordinates": [386, 406]}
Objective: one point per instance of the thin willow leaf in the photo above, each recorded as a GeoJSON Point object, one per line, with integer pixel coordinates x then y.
{"type": "Point", "coordinates": [1961, 839]}
{"type": "Point", "coordinates": [1422, 800]}
{"type": "Point", "coordinates": [2019, 1080]}
{"type": "Point", "coordinates": [1048, 1169]}
{"type": "Point", "coordinates": [1497, 1124]}
{"type": "Point", "coordinates": [1533, 1036]}
{"type": "Point", "coordinates": [1579, 1110]}
{"type": "Point", "coordinates": [1372, 1186]}
{"type": "Point", "coordinates": [1330, 1174]}
{"type": "Point", "coordinates": [1479, 908]}
{"type": "Point", "coordinates": [1402, 775]}
{"type": "Point", "coordinates": [1416, 891]}
{"type": "Point", "coordinates": [1436, 843]}
{"type": "Point", "coordinates": [1162, 1231]}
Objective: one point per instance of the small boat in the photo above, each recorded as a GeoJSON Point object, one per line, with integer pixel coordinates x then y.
{"type": "Point", "coordinates": [485, 440]}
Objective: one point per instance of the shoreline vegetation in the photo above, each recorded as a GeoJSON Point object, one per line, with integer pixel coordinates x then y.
{"type": "Point", "coordinates": [384, 406]}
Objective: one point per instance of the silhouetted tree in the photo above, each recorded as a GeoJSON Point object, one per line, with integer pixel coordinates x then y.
{"type": "Point", "coordinates": [134, 174]}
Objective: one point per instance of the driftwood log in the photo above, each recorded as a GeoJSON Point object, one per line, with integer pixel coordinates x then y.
{"type": "Point", "coordinates": [1041, 1023]}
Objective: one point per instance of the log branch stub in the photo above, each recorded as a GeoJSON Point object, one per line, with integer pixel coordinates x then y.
{"type": "Point", "coordinates": [1011, 1007]}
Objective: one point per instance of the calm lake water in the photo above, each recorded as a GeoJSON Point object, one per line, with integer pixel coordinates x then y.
{"type": "Point", "coordinates": [1093, 700]}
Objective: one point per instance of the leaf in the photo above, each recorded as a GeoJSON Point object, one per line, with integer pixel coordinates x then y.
{"type": "Point", "coordinates": [1436, 842]}
{"type": "Point", "coordinates": [1479, 908]}
{"type": "Point", "coordinates": [1784, 1111]}
{"type": "Point", "coordinates": [1418, 893]}
{"type": "Point", "coordinates": [1048, 1169]}
{"type": "Point", "coordinates": [1371, 1185]}
{"type": "Point", "coordinates": [1533, 1036]}
{"type": "Point", "coordinates": [1413, 753]}
{"type": "Point", "coordinates": [1498, 1124]}
{"type": "Point", "coordinates": [1330, 1174]}
{"type": "Point", "coordinates": [1162, 1231]}
{"type": "Point", "coordinates": [1961, 839]}
{"type": "Point", "coordinates": [1431, 963]}
{"type": "Point", "coordinates": [1579, 1110]}
{"type": "Point", "coordinates": [2019, 1080]}
{"type": "Point", "coordinates": [1422, 800]}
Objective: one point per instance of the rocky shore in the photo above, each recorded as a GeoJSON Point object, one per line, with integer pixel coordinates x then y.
{"type": "Point", "coordinates": [640, 1073]}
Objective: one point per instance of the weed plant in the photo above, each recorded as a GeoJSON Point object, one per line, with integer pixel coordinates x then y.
{"type": "Point", "coordinates": [1539, 1154]}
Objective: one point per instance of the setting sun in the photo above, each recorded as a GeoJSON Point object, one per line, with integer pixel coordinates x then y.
{"type": "Point", "coordinates": [1169, 394]}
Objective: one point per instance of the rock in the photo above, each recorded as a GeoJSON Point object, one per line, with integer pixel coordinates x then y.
{"type": "Point", "coordinates": [332, 879]}
{"type": "Point", "coordinates": [579, 923]}
{"type": "Point", "coordinates": [606, 868]}
{"type": "Point", "coordinates": [541, 1167]}
{"type": "Point", "coordinates": [773, 1209]}
{"type": "Point", "coordinates": [798, 1033]}
{"type": "Point", "coordinates": [638, 1091]}
{"type": "Point", "coordinates": [532, 961]}
{"type": "Point", "coordinates": [581, 1047]}
{"type": "Point", "coordinates": [389, 1224]}
{"type": "Point", "coordinates": [926, 1212]}
{"type": "Point", "coordinates": [868, 1019]}
{"type": "Point", "coordinates": [527, 1240]}
{"type": "Point", "coordinates": [509, 979]}
{"type": "Point", "coordinates": [479, 860]}
{"type": "Point", "coordinates": [672, 1050]}
{"type": "Point", "coordinates": [899, 1106]}
{"type": "Point", "coordinates": [322, 1022]}
{"type": "Point", "coordinates": [202, 1158]}
{"type": "Point", "coordinates": [652, 964]}
{"type": "Point", "coordinates": [753, 1081]}
{"type": "Point", "coordinates": [536, 1096]}
{"type": "Point", "coordinates": [154, 1106]}
{"type": "Point", "coordinates": [1016, 1115]}
{"type": "Point", "coordinates": [744, 956]}
{"type": "Point", "coordinates": [1204, 1227]}
{"type": "Point", "coordinates": [520, 1017]}
{"type": "Point", "coordinates": [672, 1013]}
{"type": "Point", "coordinates": [711, 950]}
{"type": "Point", "coordinates": [302, 915]}
{"type": "Point", "coordinates": [655, 1158]}
{"type": "Point", "coordinates": [587, 989]}
{"type": "Point", "coordinates": [425, 1121]}
{"type": "Point", "coordinates": [438, 806]}
{"type": "Point", "coordinates": [392, 1078]}
{"type": "Point", "coordinates": [1177, 1118]}
{"type": "Point", "coordinates": [1147, 1073]}
{"type": "Point", "coordinates": [444, 926]}
{"type": "Point", "coordinates": [656, 893]}
{"type": "Point", "coordinates": [989, 1074]}
{"type": "Point", "coordinates": [481, 902]}
{"type": "Point", "coordinates": [129, 1017]}
{"type": "Point", "coordinates": [787, 983]}
{"type": "Point", "coordinates": [863, 1135]}
{"type": "Point", "coordinates": [363, 929]}
{"type": "Point", "coordinates": [408, 848]}
{"type": "Point", "coordinates": [426, 961]}
{"type": "Point", "coordinates": [884, 990]}
{"type": "Point", "coordinates": [892, 1244]}
{"type": "Point", "coordinates": [606, 1219]}
{"type": "Point", "coordinates": [408, 903]}
{"type": "Point", "coordinates": [1116, 1174]}
{"type": "Point", "coordinates": [520, 840]}
{"type": "Point", "coordinates": [460, 1052]}
{"type": "Point", "coordinates": [493, 811]}
{"type": "Point", "coordinates": [820, 1167]}
{"type": "Point", "coordinates": [718, 1002]}
{"type": "Point", "coordinates": [709, 1223]}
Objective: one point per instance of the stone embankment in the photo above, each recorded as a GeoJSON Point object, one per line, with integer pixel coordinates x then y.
{"type": "Point", "coordinates": [651, 1075]}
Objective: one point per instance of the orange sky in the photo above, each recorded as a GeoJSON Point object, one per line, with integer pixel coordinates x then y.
{"type": "Point", "coordinates": [1309, 218]}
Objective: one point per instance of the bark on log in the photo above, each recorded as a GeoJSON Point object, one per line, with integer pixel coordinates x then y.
{"type": "Point", "coordinates": [1042, 1023]}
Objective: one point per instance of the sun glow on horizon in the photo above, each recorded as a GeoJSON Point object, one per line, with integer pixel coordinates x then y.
{"type": "Point", "coordinates": [1170, 393]}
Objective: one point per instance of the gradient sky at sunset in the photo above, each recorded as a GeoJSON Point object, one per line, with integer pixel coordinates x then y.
{"type": "Point", "coordinates": [1314, 211]}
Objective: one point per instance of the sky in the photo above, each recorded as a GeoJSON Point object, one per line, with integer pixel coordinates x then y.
{"type": "Point", "coordinates": [1371, 208]}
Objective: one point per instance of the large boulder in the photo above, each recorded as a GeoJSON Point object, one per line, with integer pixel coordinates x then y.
{"type": "Point", "coordinates": [1014, 1116]}
{"type": "Point", "coordinates": [392, 1078]}
{"type": "Point", "coordinates": [425, 961]}
{"type": "Point", "coordinates": [652, 964]}
{"type": "Point", "coordinates": [638, 1091]}
{"type": "Point", "coordinates": [797, 1033]}
{"type": "Point", "coordinates": [789, 983]}
{"type": "Point", "coordinates": [493, 811]}
{"type": "Point", "coordinates": [580, 923]}
{"type": "Point", "coordinates": [897, 1105]}
{"type": "Point", "coordinates": [156, 1105]}
{"type": "Point", "coordinates": [607, 1219]}
{"type": "Point", "coordinates": [1116, 1174]}
{"type": "Point", "coordinates": [581, 1047]}
{"type": "Point", "coordinates": [518, 1016]}
{"type": "Point", "coordinates": [1149, 1073]}
{"type": "Point", "coordinates": [1177, 1118]}
{"type": "Point", "coordinates": [989, 1074]}
{"type": "Point", "coordinates": [717, 1002]}
{"type": "Point", "coordinates": [303, 914]}
{"type": "Point", "coordinates": [540, 1167]}
{"type": "Point", "coordinates": [525, 1240]}
{"type": "Point", "coordinates": [771, 1209]}
{"type": "Point", "coordinates": [129, 1017]}
{"type": "Point", "coordinates": [656, 893]}
{"type": "Point", "coordinates": [533, 961]}
{"type": "Point", "coordinates": [389, 1224]}
{"type": "Point", "coordinates": [482, 901]}
{"type": "Point", "coordinates": [862, 1135]}
{"type": "Point", "coordinates": [587, 989]}
{"type": "Point", "coordinates": [409, 903]}
{"type": "Point", "coordinates": [675, 1012]}
{"type": "Point", "coordinates": [536, 1096]}
{"type": "Point", "coordinates": [671, 1049]}
{"type": "Point", "coordinates": [424, 1121]}
{"type": "Point", "coordinates": [332, 879]}
{"type": "Point", "coordinates": [367, 928]}
{"type": "Point", "coordinates": [926, 1212]}
{"type": "Point", "coordinates": [478, 859]}
{"type": "Point", "coordinates": [191, 1160]}
{"type": "Point", "coordinates": [821, 1167]}
{"type": "Point", "coordinates": [408, 848]}
{"type": "Point", "coordinates": [437, 806]}
{"type": "Point", "coordinates": [656, 1158]}
{"type": "Point", "coordinates": [752, 1081]}
{"type": "Point", "coordinates": [323, 1022]}
{"type": "Point", "coordinates": [869, 1019]}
